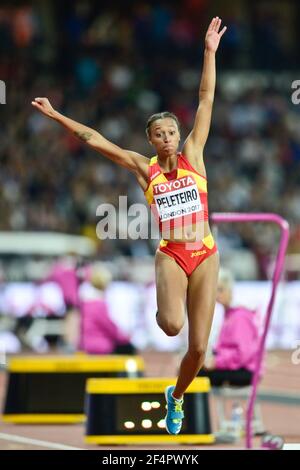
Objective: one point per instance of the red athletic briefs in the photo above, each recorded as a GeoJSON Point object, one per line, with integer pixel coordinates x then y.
{"type": "Point", "coordinates": [188, 259]}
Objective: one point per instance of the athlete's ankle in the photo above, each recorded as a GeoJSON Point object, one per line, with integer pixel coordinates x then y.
{"type": "Point", "coordinates": [180, 399]}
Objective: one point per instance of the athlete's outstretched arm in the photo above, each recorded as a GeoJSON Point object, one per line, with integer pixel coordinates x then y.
{"type": "Point", "coordinates": [198, 136]}
{"type": "Point", "coordinates": [126, 158]}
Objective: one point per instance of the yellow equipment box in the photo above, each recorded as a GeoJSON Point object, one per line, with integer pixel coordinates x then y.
{"type": "Point", "coordinates": [132, 411]}
{"type": "Point", "coordinates": [50, 389]}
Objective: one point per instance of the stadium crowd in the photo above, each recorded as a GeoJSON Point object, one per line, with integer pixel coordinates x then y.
{"type": "Point", "coordinates": [111, 69]}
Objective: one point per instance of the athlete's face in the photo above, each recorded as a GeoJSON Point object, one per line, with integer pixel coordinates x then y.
{"type": "Point", "coordinates": [224, 294]}
{"type": "Point", "coordinates": [164, 136]}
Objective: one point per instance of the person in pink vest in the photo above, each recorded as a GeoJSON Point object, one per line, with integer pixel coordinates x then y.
{"type": "Point", "coordinates": [235, 353]}
{"type": "Point", "coordinates": [63, 272]}
{"type": "Point", "coordinates": [99, 334]}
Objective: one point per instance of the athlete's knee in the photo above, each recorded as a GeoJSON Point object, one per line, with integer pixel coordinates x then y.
{"type": "Point", "coordinates": [170, 327]}
{"type": "Point", "coordinates": [197, 352]}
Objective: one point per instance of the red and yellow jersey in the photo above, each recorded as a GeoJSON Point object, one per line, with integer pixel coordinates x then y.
{"type": "Point", "coordinates": [180, 200]}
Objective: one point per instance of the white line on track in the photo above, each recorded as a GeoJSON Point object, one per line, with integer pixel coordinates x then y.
{"type": "Point", "coordinates": [291, 446]}
{"type": "Point", "coordinates": [36, 442]}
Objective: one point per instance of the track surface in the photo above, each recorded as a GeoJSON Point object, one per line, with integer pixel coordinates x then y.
{"type": "Point", "coordinates": [280, 376]}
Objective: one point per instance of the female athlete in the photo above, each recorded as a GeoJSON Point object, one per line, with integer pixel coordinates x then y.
{"type": "Point", "coordinates": [187, 259]}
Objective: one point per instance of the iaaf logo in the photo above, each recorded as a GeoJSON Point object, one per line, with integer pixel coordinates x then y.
{"type": "Point", "coordinates": [172, 185]}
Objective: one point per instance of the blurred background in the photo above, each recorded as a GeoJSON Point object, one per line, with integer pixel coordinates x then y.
{"type": "Point", "coordinates": [110, 67]}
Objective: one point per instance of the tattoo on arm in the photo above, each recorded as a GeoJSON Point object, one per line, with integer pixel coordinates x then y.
{"type": "Point", "coordinates": [85, 136]}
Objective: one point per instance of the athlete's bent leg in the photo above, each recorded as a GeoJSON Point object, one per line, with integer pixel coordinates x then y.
{"type": "Point", "coordinates": [171, 288]}
{"type": "Point", "coordinates": [201, 299]}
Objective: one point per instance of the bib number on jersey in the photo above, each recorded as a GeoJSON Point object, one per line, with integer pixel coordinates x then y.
{"type": "Point", "coordinates": [177, 198]}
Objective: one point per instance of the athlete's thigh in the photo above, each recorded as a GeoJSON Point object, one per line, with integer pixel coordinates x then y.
{"type": "Point", "coordinates": [201, 299]}
{"type": "Point", "coordinates": [171, 287]}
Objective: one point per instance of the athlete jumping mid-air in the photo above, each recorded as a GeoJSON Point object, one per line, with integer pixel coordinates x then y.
{"type": "Point", "coordinates": [187, 259]}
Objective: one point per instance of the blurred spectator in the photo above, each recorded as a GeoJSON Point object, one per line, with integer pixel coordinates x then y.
{"type": "Point", "coordinates": [98, 333]}
{"type": "Point", "coordinates": [112, 66]}
{"type": "Point", "coordinates": [63, 272]}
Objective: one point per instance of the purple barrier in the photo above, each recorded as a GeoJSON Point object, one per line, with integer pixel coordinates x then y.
{"type": "Point", "coordinates": [218, 218]}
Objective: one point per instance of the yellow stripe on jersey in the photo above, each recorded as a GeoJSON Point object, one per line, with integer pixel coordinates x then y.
{"type": "Point", "coordinates": [153, 160]}
{"type": "Point", "coordinates": [209, 241]}
{"type": "Point", "coordinates": [149, 193]}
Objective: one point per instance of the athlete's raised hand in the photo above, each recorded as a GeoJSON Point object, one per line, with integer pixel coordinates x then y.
{"type": "Point", "coordinates": [213, 36]}
{"type": "Point", "coordinates": [43, 105]}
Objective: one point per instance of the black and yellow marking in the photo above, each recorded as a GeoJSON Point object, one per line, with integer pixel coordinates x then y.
{"type": "Point", "coordinates": [131, 411]}
{"type": "Point", "coordinates": [151, 439]}
{"type": "Point", "coordinates": [51, 389]}
{"type": "Point", "coordinates": [75, 363]}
